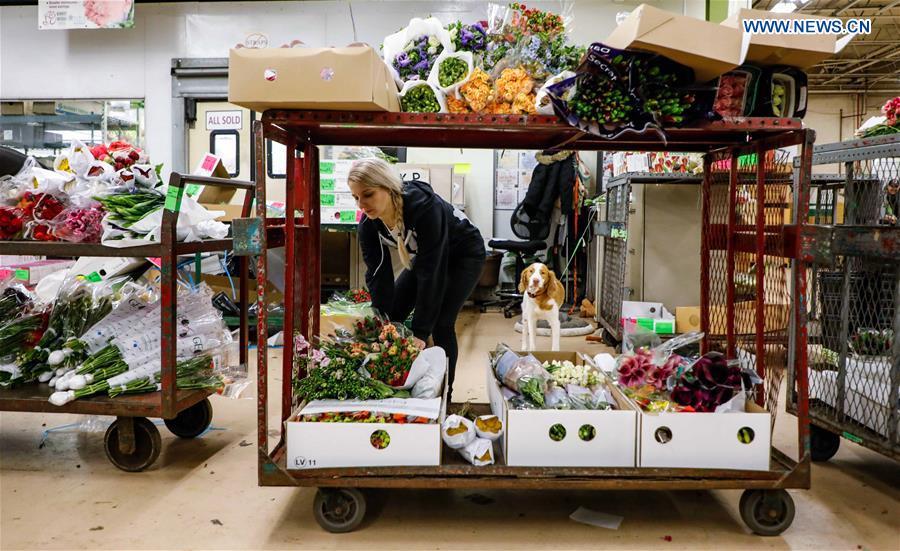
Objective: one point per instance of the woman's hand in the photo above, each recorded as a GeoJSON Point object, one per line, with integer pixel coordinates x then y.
{"type": "Point", "coordinates": [420, 344]}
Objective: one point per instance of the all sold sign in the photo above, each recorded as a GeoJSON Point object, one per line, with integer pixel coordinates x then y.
{"type": "Point", "coordinates": [224, 120]}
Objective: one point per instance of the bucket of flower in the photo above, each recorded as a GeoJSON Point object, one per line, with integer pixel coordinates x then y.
{"type": "Point", "coordinates": [368, 398]}
{"type": "Point", "coordinates": [695, 413]}
{"type": "Point", "coordinates": [559, 410]}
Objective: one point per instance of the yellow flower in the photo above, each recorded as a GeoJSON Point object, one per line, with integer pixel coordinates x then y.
{"type": "Point", "coordinates": [477, 90]}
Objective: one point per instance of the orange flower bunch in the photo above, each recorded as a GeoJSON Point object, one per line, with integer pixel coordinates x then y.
{"type": "Point", "coordinates": [478, 91]}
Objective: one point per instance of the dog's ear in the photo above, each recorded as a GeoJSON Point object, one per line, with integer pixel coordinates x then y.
{"type": "Point", "coordinates": [556, 286]}
{"type": "Point", "coordinates": [523, 281]}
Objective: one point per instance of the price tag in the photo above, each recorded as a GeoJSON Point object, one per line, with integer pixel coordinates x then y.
{"type": "Point", "coordinates": [618, 233]}
{"type": "Point", "coordinates": [23, 274]}
{"type": "Point", "coordinates": [348, 216]}
{"type": "Point", "coordinates": [326, 167]}
{"type": "Point", "coordinates": [327, 200]}
{"type": "Point", "coordinates": [173, 199]}
{"type": "Point", "coordinates": [192, 189]}
{"type": "Point", "coordinates": [93, 277]}
{"type": "Point", "coordinates": [326, 184]}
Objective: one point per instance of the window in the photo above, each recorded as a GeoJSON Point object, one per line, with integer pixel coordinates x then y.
{"type": "Point", "coordinates": [226, 145]}
{"type": "Point", "coordinates": [44, 128]}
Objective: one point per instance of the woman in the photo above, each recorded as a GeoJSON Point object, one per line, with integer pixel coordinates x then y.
{"type": "Point", "coordinates": [441, 251]}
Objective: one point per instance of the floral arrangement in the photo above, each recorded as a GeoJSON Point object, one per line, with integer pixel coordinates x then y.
{"type": "Point", "coordinates": [889, 124]}
{"type": "Point", "coordinates": [390, 354]}
{"type": "Point", "coordinates": [420, 99]}
{"type": "Point", "coordinates": [451, 71]}
{"type": "Point", "coordinates": [414, 62]}
{"type": "Point", "coordinates": [478, 91]}
{"type": "Point", "coordinates": [730, 94]}
{"type": "Point", "coordinates": [469, 38]}
{"type": "Point", "coordinates": [872, 342]}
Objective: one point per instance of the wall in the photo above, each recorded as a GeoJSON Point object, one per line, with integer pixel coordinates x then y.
{"type": "Point", "coordinates": [136, 63]}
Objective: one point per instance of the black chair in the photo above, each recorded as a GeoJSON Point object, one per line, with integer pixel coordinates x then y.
{"type": "Point", "coordinates": [534, 233]}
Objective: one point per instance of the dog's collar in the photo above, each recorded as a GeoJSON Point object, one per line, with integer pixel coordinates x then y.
{"type": "Point", "coordinates": [532, 295]}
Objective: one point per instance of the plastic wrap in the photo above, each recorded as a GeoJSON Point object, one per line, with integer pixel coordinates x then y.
{"type": "Point", "coordinates": [489, 427]}
{"type": "Point", "coordinates": [445, 82]}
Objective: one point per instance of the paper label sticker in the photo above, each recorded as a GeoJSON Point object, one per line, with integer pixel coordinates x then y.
{"type": "Point", "coordinates": [270, 75]}
{"type": "Point", "coordinates": [173, 199]}
{"type": "Point", "coordinates": [192, 189]}
{"type": "Point", "coordinates": [22, 274]}
{"type": "Point", "coordinates": [348, 216]}
{"type": "Point", "coordinates": [94, 277]}
{"type": "Point", "coordinates": [327, 200]}
{"type": "Point", "coordinates": [155, 260]}
{"type": "Point", "coordinates": [326, 74]}
{"type": "Point", "coordinates": [326, 184]}
{"type": "Point", "coordinates": [326, 167]}
{"type": "Point", "coordinates": [462, 168]}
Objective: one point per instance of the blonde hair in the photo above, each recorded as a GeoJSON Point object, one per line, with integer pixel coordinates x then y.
{"type": "Point", "coordinates": [377, 173]}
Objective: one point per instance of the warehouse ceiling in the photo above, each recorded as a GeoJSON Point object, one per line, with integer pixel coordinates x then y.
{"type": "Point", "coordinates": [870, 63]}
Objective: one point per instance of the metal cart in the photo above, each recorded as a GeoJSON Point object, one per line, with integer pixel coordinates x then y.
{"type": "Point", "coordinates": [132, 442]}
{"type": "Point", "coordinates": [854, 311]}
{"type": "Point", "coordinates": [339, 506]}
{"type": "Point", "coordinates": [614, 231]}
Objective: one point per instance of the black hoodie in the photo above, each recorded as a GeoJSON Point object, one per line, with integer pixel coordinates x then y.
{"type": "Point", "coordinates": [435, 232]}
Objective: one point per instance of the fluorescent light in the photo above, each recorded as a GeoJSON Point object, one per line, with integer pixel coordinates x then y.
{"type": "Point", "coordinates": [785, 6]}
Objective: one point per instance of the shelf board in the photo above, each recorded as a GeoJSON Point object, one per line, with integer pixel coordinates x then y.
{"type": "Point", "coordinates": [61, 248]}
{"type": "Point", "coordinates": [503, 131]}
{"type": "Point", "coordinates": [34, 398]}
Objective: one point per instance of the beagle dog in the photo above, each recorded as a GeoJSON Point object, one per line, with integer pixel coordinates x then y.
{"type": "Point", "coordinates": [543, 296]}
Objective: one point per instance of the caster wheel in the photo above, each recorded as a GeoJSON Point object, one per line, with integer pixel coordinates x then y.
{"type": "Point", "coordinates": [339, 510]}
{"type": "Point", "coordinates": [823, 443]}
{"type": "Point", "coordinates": [191, 422]}
{"type": "Point", "coordinates": [507, 314]}
{"type": "Point", "coordinates": [143, 451]}
{"type": "Point", "coordinates": [767, 512]}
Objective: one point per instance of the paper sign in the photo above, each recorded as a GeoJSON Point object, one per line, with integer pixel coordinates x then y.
{"type": "Point", "coordinates": [155, 260]}
{"type": "Point", "coordinates": [22, 274]}
{"type": "Point", "coordinates": [93, 277]}
{"type": "Point", "coordinates": [327, 200]}
{"type": "Point", "coordinates": [192, 189]}
{"type": "Point", "coordinates": [348, 216]}
{"type": "Point", "coordinates": [224, 120]}
{"type": "Point", "coordinates": [326, 167]}
{"type": "Point", "coordinates": [85, 14]}
{"type": "Point", "coordinates": [462, 168]}
{"type": "Point", "coordinates": [326, 184]}
{"type": "Point", "coordinates": [173, 199]}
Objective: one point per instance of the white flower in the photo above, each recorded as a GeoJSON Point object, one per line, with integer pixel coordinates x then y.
{"type": "Point", "coordinates": [433, 41]}
{"type": "Point", "coordinates": [432, 50]}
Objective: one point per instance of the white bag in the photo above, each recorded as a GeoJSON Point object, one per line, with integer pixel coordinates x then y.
{"type": "Point", "coordinates": [434, 77]}
{"type": "Point", "coordinates": [417, 27]}
{"type": "Point", "coordinates": [441, 99]}
{"type": "Point", "coordinates": [479, 452]}
{"type": "Point", "coordinates": [461, 439]}
{"type": "Point", "coordinates": [426, 377]}
{"type": "Point", "coordinates": [488, 435]}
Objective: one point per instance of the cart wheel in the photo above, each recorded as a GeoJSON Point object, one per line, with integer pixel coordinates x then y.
{"type": "Point", "coordinates": [191, 422]}
{"type": "Point", "coordinates": [144, 448]}
{"type": "Point", "coordinates": [339, 510]}
{"type": "Point", "coordinates": [823, 443]}
{"type": "Point", "coordinates": [767, 512]}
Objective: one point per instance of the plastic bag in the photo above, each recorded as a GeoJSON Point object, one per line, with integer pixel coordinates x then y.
{"type": "Point", "coordinates": [557, 398]}
{"type": "Point", "coordinates": [194, 224]}
{"type": "Point", "coordinates": [426, 377]}
{"type": "Point", "coordinates": [542, 101]}
{"type": "Point", "coordinates": [479, 452]}
{"type": "Point", "coordinates": [78, 225]}
{"type": "Point", "coordinates": [414, 98]}
{"type": "Point", "coordinates": [508, 25]}
{"type": "Point", "coordinates": [434, 79]}
{"type": "Point", "coordinates": [340, 314]}
{"type": "Point", "coordinates": [408, 56]}
{"type": "Point", "coordinates": [457, 432]}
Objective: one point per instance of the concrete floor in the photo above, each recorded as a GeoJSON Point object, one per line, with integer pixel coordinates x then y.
{"type": "Point", "coordinates": [202, 494]}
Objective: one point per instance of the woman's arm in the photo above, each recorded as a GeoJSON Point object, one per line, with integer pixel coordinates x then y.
{"type": "Point", "coordinates": [379, 272]}
{"type": "Point", "coordinates": [430, 267]}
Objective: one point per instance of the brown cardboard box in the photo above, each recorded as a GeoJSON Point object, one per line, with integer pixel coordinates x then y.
{"type": "Point", "coordinates": [12, 108]}
{"type": "Point", "coordinates": [351, 78]}
{"type": "Point", "coordinates": [220, 283]}
{"type": "Point", "coordinates": [687, 319]}
{"type": "Point", "coordinates": [795, 50]}
{"type": "Point", "coordinates": [231, 211]}
{"type": "Point", "coordinates": [707, 48]}
{"type": "Point", "coordinates": [213, 197]}
{"type": "Point", "coordinates": [439, 176]}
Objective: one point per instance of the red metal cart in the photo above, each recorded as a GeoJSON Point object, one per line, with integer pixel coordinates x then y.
{"type": "Point", "coordinates": [733, 238]}
{"type": "Point", "coordinates": [133, 442]}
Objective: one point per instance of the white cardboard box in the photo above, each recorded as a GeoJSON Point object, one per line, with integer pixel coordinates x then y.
{"type": "Point", "coordinates": [316, 445]}
{"type": "Point", "coordinates": [705, 440]}
{"type": "Point", "coordinates": [526, 439]}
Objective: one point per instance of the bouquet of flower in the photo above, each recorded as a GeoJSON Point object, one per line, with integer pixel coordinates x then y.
{"type": "Point", "coordinates": [125, 209]}
{"type": "Point", "coordinates": [469, 38]}
{"type": "Point", "coordinates": [888, 124]}
{"type": "Point", "coordinates": [390, 356]}
{"type": "Point", "coordinates": [358, 296]}
{"type": "Point", "coordinates": [332, 372]}
{"type": "Point", "coordinates": [421, 97]}
{"type": "Point", "coordinates": [872, 342]}
{"type": "Point", "coordinates": [79, 225]}
{"type": "Point", "coordinates": [411, 52]}
{"type": "Point", "coordinates": [414, 62]}
{"type": "Point", "coordinates": [478, 91]}
{"type": "Point", "coordinates": [12, 222]}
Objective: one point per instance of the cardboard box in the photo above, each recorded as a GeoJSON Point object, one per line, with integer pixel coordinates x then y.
{"type": "Point", "coordinates": [439, 176]}
{"type": "Point", "coordinates": [526, 439]}
{"type": "Point", "coordinates": [707, 48]}
{"type": "Point", "coordinates": [706, 440]}
{"type": "Point", "coordinates": [687, 319]}
{"type": "Point", "coordinates": [317, 445]}
{"type": "Point", "coordinates": [776, 318]}
{"type": "Point", "coordinates": [351, 78]}
{"type": "Point", "coordinates": [213, 197]}
{"type": "Point", "coordinates": [32, 272]}
{"type": "Point", "coordinates": [801, 51]}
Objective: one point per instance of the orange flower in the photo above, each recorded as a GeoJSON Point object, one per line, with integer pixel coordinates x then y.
{"type": "Point", "coordinates": [523, 104]}
{"type": "Point", "coordinates": [457, 105]}
{"type": "Point", "coordinates": [477, 90]}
